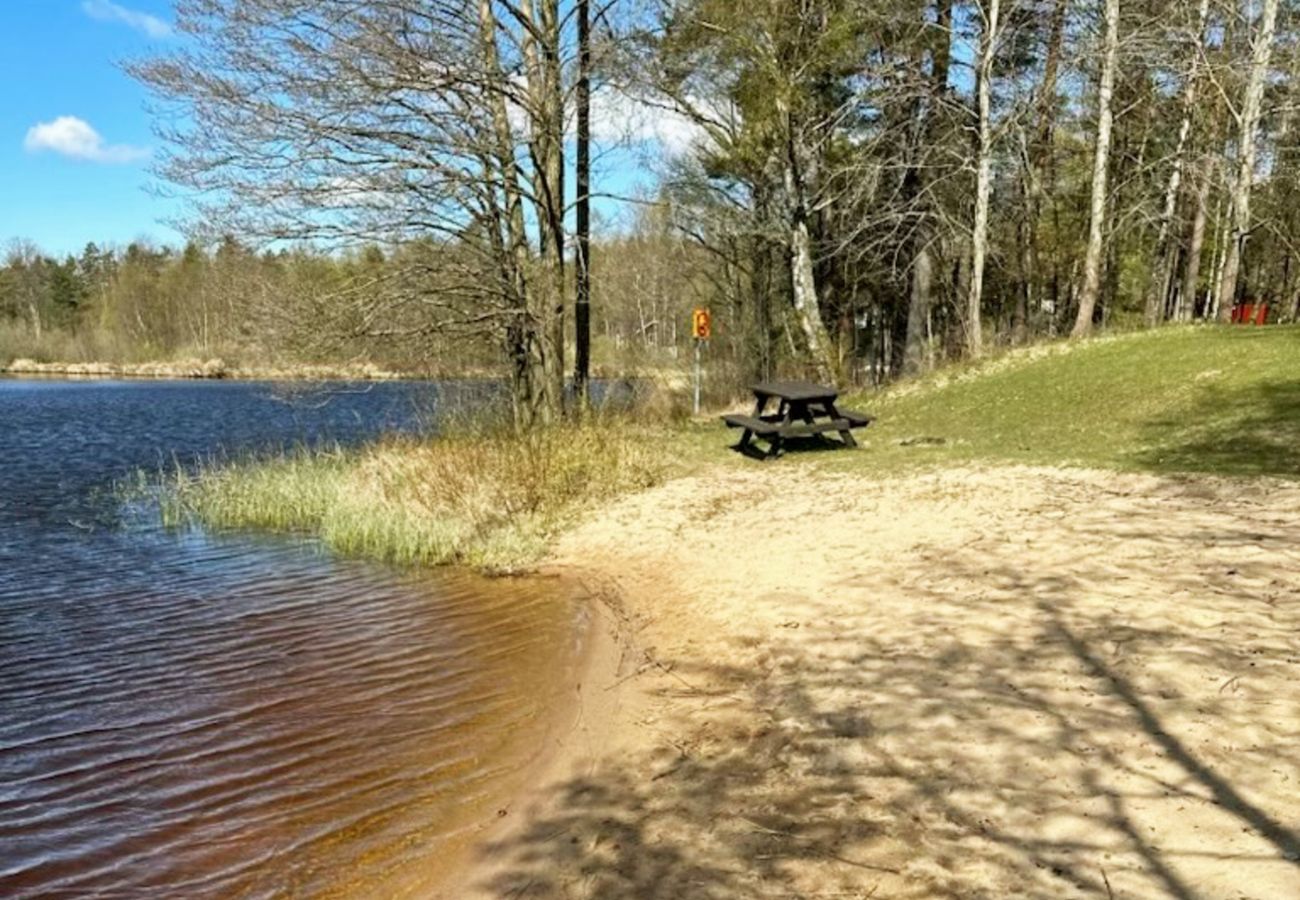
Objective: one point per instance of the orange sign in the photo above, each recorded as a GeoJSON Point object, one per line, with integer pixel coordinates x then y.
{"type": "Point", "coordinates": [701, 325]}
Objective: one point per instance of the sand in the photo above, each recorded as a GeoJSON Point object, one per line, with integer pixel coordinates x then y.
{"type": "Point", "coordinates": [995, 682]}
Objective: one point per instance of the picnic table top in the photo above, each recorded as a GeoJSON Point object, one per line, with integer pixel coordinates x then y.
{"type": "Point", "coordinates": [796, 391]}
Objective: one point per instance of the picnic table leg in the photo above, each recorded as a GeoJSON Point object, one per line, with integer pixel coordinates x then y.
{"type": "Point", "coordinates": [760, 404]}
{"type": "Point", "coordinates": [774, 448]}
{"type": "Point", "coordinates": [778, 439]}
{"type": "Point", "coordinates": [846, 435]}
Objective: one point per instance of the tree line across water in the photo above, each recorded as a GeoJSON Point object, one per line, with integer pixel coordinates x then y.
{"type": "Point", "coordinates": [866, 188]}
{"type": "Point", "coordinates": [274, 309]}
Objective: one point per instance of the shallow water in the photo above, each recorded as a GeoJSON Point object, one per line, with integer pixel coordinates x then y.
{"type": "Point", "coordinates": [186, 715]}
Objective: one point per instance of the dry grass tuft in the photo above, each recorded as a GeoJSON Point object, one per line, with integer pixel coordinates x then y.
{"type": "Point", "coordinates": [485, 497]}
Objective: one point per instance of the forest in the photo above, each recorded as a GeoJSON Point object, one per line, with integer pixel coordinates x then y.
{"type": "Point", "coordinates": [858, 190]}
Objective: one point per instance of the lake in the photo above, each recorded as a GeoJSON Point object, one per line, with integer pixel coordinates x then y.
{"type": "Point", "coordinates": [185, 714]}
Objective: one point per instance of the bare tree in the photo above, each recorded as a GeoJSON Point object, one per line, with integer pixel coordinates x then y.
{"type": "Point", "coordinates": [1039, 174]}
{"type": "Point", "coordinates": [1247, 153]}
{"type": "Point", "coordinates": [1100, 171]}
{"type": "Point", "coordinates": [1196, 242]}
{"type": "Point", "coordinates": [917, 185]}
{"type": "Point", "coordinates": [23, 261]}
{"type": "Point", "coordinates": [990, 12]}
{"type": "Point", "coordinates": [387, 121]}
{"type": "Point", "coordinates": [800, 168]}
{"type": "Point", "coordinates": [1158, 281]}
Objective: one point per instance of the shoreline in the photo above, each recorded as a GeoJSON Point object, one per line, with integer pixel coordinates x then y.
{"type": "Point", "coordinates": [218, 370]}
{"type": "Point", "coordinates": [579, 735]}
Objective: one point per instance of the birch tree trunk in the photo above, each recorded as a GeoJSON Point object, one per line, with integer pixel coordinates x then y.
{"type": "Point", "coordinates": [1100, 167]}
{"type": "Point", "coordinates": [983, 179]}
{"type": "Point", "coordinates": [1157, 292]}
{"type": "Point", "coordinates": [1247, 151]}
{"type": "Point", "coordinates": [803, 281]}
{"type": "Point", "coordinates": [806, 307]}
{"type": "Point", "coordinates": [1212, 295]}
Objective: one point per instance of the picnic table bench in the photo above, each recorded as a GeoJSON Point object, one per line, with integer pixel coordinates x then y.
{"type": "Point", "coordinates": [804, 409]}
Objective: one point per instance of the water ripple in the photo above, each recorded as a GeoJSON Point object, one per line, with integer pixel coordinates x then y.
{"type": "Point", "coordinates": [235, 717]}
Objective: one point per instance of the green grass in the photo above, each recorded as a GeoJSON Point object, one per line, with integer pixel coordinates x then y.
{"type": "Point", "coordinates": [1215, 400]}
{"type": "Point", "coordinates": [1204, 399]}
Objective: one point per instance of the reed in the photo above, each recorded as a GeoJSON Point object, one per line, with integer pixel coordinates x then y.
{"type": "Point", "coordinates": [481, 496]}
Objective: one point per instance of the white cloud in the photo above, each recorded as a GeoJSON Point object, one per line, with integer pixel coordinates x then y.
{"type": "Point", "coordinates": [75, 138]}
{"type": "Point", "coordinates": [108, 11]}
{"type": "Point", "coordinates": [618, 117]}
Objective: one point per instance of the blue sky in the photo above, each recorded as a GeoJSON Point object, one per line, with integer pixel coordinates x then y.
{"type": "Point", "coordinates": [58, 186]}
{"type": "Point", "coordinates": [76, 137]}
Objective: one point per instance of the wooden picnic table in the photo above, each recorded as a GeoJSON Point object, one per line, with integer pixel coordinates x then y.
{"type": "Point", "coordinates": [803, 409]}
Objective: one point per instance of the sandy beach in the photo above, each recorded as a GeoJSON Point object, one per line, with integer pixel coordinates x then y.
{"type": "Point", "coordinates": [979, 682]}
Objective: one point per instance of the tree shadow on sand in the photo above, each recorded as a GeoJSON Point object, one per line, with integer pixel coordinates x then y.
{"type": "Point", "coordinates": [1036, 750]}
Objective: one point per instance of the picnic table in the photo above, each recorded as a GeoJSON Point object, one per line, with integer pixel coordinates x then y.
{"type": "Point", "coordinates": [803, 409]}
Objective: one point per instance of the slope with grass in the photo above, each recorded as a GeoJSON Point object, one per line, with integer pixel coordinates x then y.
{"type": "Point", "coordinates": [1207, 400]}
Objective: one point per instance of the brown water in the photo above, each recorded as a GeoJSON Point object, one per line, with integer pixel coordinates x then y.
{"type": "Point", "coordinates": [194, 716]}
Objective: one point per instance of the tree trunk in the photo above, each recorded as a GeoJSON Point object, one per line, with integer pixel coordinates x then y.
{"type": "Point", "coordinates": [803, 280]}
{"type": "Point", "coordinates": [582, 301]}
{"type": "Point", "coordinates": [1157, 292]}
{"type": "Point", "coordinates": [1027, 264]}
{"type": "Point", "coordinates": [807, 309]}
{"type": "Point", "coordinates": [1043, 170]}
{"type": "Point", "coordinates": [1100, 167]}
{"type": "Point", "coordinates": [532, 400]}
{"type": "Point", "coordinates": [1212, 297]}
{"type": "Point", "coordinates": [983, 179]}
{"type": "Point", "coordinates": [918, 313]}
{"type": "Point", "coordinates": [769, 269]}
{"type": "Point", "coordinates": [1247, 151]}
{"type": "Point", "coordinates": [541, 47]}
{"type": "Point", "coordinates": [959, 286]}
{"type": "Point", "coordinates": [1196, 245]}
{"type": "Point", "coordinates": [915, 355]}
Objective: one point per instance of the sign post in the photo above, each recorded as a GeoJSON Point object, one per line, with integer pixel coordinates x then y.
{"type": "Point", "coordinates": [701, 330]}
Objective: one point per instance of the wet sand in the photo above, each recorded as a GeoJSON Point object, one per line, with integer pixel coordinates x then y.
{"type": "Point", "coordinates": [974, 683]}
